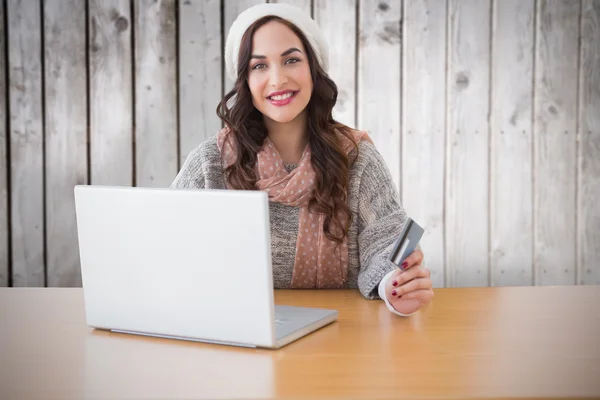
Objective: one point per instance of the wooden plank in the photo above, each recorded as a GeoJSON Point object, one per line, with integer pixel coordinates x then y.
{"type": "Point", "coordinates": [511, 135]}
{"type": "Point", "coordinates": [4, 234]}
{"type": "Point", "coordinates": [304, 5]}
{"type": "Point", "coordinates": [111, 91]}
{"type": "Point", "coordinates": [231, 9]}
{"type": "Point", "coordinates": [467, 228]}
{"type": "Point", "coordinates": [554, 141]}
{"type": "Point", "coordinates": [379, 89]}
{"type": "Point", "coordinates": [155, 93]}
{"type": "Point", "coordinates": [423, 130]}
{"type": "Point", "coordinates": [199, 77]}
{"type": "Point", "coordinates": [338, 22]}
{"type": "Point", "coordinates": [66, 135]}
{"type": "Point", "coordinates": [26, 143]}
{"type": "Point", "coordinates": [589, 146]}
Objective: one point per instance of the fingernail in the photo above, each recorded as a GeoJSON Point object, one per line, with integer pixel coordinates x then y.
{"type": "Point", "coordinates": [395, 283]}
{"type": "Point", "coordinates": [394, 292]}
{"type": "Point", "coordinates": [404, 264]}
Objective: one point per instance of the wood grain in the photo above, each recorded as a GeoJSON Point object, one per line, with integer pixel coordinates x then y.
{"type": "Point", "coordinates": [111, 92]}
{"type": "Point", "coordinates": [304, 5]}
{"type": "Point", "coordinates": [511, 135]}
{"type": "Point", "coordinates": [555, 161]}
{"type": "Point", "coordinates": [26, 143]}
{"type": "Point", "coordinates": [231, 10]}
{"type": "Point", "coordinates": [470, 343]}
{"type": "Point", "coordinates": [467, 181]}
{"type": "Point", "coordinates": [66, 129]}
{"type": "Point", "coordinates": [588, 232]}
{"type": "Point", "coordinates": [379, 89]}
{"type": "Point", "coordinates": [423, 125]}
{"type": "Point", "coordinates": [4, 212]}
{"type": "Point", "coordinates": [156, 162]}
{"type": "Point", "coordinates": [199, 72]}
{"type": "Point", "coordinates": [337, 20]}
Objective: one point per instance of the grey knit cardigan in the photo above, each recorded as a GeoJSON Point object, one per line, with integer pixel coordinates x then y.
{"type": "Point", "coordinates": [377, 215]}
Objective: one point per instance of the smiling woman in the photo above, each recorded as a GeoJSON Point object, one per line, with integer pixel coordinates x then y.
{"type": "Point", "coordinates": [334, 210]}
{"type": "Point", "coordinates": [290, 67]}
{"type": "Point", "coordinates": [298, 73]}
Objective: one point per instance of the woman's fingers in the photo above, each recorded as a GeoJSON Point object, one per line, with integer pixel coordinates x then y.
{"type": "Point", "coordinates": [411, 286]}
{"type": "Point", "coordinates": [404, 277]}
{"type": "Point", "coordinates": [415, 258]}
{"type": "Point", "coordinates": [409, 275]}
{"type": "Point", "coordinates": [423, 295]}
{"type": "Point", "coordinates": [401, 278]}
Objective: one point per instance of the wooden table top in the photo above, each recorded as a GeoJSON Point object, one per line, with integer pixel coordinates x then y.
{"type": "Point", "coordinates": [519, 342]}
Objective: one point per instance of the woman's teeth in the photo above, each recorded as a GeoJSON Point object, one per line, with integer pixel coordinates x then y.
{"type": "Point", "coordinates": [282, 97]}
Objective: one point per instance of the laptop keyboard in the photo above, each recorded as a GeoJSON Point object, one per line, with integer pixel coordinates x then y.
{"type": "Point", "coordinates": [279, 320]}
{"type": "Point", "coordinates": [283, 325]}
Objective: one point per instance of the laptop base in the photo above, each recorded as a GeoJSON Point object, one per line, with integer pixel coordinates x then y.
{"type": "Point", "coordinates": [292, 323]}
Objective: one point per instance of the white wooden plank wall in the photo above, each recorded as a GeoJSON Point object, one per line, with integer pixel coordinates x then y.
{"type": "Point", "coordinates": [555, 123]}
{"type": "Point", "coordinates": [156, 142]}
{"type": "Point", "coordinates": [487, 113]}
{"type": "Point", "coordinates": [200, 88]}
{"type": "Point", "coordinates": [467, 133]}
{"type": "Point", "coordinates": [379, 111]}
{"type": "Point", "coordinates": [511, 190]}
{"type": "Point", "coordinates": [26, 143]}
{"type": "Point", "coordinates": [423, 125]}
{"type": "Point", "coordinates": [588, 184]}
{"type": "Point", "coordinates": [66, 129]}
{"type": "Point", "coordinates": [337, 19]}
{"type": "Point", "coordinates": [4, 227]}
{"type": "Point", "coordinates": [111, 92]}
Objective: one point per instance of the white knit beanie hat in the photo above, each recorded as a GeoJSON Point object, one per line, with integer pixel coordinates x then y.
{"type": "Point", "coordinates": [295, 15]}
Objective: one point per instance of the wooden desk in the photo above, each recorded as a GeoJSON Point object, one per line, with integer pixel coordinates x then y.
{"type": "Point", "coordinates": [470, 343]}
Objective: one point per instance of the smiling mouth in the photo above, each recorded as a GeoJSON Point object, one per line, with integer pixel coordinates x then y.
{"type": "Point", "coordinates": [282, 97]}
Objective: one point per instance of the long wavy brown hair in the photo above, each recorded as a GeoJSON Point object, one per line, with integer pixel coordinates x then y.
{"type": "Point", "coordinates": [329, 160]}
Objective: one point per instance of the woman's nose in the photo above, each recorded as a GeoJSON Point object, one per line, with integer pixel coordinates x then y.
{"type": "Point", "coordinates": [278, 77]}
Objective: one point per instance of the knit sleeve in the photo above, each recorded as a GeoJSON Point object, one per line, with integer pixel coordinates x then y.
{"type": "Point", "coordinates": [381, 218]}
{"type": "Point", "coordinates": [191, 175]}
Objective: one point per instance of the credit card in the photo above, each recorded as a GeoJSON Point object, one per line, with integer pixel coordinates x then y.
{"type": "Point", "coordinates": [407, 242]}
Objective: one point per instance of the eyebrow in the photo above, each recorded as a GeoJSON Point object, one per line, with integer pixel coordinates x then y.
{"type": "Point", "coordinates": [285, 53]}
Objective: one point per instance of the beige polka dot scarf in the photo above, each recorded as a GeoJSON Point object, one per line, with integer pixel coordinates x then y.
{"type": "Point", "coordinates": [318, 264]}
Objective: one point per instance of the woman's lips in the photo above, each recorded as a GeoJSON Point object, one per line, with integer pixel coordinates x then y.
{"type": "Point", "coordinates": [283, 99]}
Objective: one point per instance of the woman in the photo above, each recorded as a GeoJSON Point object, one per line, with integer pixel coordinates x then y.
{"type": "Point", "coordinates": [334, 210]}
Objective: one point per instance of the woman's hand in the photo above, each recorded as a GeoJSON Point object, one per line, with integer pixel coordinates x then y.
{"type": "Point", "coordinates": [410, 288]}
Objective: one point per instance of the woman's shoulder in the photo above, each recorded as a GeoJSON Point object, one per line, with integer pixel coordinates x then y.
{"type": "Point", "coordinates": [205, 151]}
{"type": "Point", "coordinates": [202, 166]}
{"type": "Point", "coordinates": [369, 169]}
{"type": "Point", "coordinates": [367, 154]}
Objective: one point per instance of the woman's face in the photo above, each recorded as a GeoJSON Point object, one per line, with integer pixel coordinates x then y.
{"type": "Point", "coordinates": [279, 73]}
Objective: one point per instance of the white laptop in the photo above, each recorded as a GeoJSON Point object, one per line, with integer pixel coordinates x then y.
{"type": "Point", "coordinates": [184, 264]}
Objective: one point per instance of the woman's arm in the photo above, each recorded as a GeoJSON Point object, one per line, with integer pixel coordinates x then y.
{"type": "Point", "coordinates": [381, 219]}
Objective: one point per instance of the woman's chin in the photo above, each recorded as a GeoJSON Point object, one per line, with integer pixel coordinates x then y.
{"type": "Point", "coordinates": [282, 117]}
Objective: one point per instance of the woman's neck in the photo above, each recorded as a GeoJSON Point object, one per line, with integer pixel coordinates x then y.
{"type": "Point", "coordinates": [290, 138]}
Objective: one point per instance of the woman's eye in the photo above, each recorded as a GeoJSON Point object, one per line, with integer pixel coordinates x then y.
{"type": "Point", "coordinates": [289, 61]}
